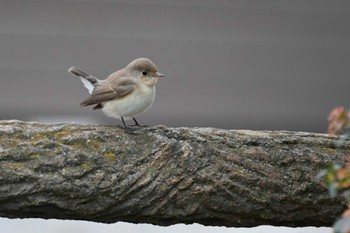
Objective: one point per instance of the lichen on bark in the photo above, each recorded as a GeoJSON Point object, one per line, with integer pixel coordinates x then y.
{"type": "Point", "coordinates": [165, 175]}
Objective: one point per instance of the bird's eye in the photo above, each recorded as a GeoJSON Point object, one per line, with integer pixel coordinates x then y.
{"type": "Point", "coordinates": [144, 73]}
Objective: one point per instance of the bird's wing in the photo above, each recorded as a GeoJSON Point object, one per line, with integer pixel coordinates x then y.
{"type": "Point", "coordinates": [109, 90]}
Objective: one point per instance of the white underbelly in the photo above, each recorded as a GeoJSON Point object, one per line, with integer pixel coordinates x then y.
{"type": "Point", "coordinates": [131, 105]}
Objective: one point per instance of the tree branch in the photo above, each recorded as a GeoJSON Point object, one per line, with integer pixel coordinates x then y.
{"type": "Point", "coordinates": [166, 175]}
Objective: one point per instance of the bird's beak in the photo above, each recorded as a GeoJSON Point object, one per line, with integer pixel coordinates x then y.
{"type": "Point", "coordinates": [160, 75]}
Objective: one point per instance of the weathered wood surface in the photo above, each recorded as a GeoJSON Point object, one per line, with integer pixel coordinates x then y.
{"type": "Point", "coordinates": [166, 175]}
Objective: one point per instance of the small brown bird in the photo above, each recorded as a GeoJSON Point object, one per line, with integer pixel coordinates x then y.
{"type": "Point", "coordinates": [125, 93]}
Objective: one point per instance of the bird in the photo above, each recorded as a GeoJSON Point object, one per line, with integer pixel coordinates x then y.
{"type": "Point", "coordinates": [125, 93]}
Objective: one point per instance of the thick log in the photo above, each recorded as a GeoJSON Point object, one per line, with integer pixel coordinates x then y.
{"type": "Point", "coordinates": [164, 175]}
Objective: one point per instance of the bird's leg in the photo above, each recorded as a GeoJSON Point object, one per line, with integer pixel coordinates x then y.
{"type": "Point", "coordinates": [124, 123]}
{"type": "Point", "coordinates": [126, 128]}
{"type": "Point", "coordinates": [137, 124]}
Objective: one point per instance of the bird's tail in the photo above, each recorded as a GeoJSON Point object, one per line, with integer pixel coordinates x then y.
{"type": "Point", "coordinates": [88, 80]}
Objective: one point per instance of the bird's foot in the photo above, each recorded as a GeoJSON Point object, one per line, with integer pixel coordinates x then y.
{"type": "Point", "coordinates": [138, 125]}
{"type": "Point", "coordinates": [130, 130]}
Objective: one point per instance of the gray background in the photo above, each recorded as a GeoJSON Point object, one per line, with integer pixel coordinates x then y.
{"type": "Point", "coordinates": [251, 64]}
{"type": "Point", "coordinates": [232, 64]}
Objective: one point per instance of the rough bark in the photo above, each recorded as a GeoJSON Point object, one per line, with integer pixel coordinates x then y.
{"type": "Point", "coordinates": [166, 175]}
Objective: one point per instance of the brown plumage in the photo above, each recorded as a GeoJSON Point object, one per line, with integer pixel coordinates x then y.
{"type": "Point", "coordinates": [117, 84]}
{"type": "Point", "coordinates": [124, 93]}
{"type": "Point", "coordinates": [104, 92]}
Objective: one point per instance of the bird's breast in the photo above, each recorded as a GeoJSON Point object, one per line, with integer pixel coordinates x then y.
{"type": "Point", "coordinates": [131, 105]}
